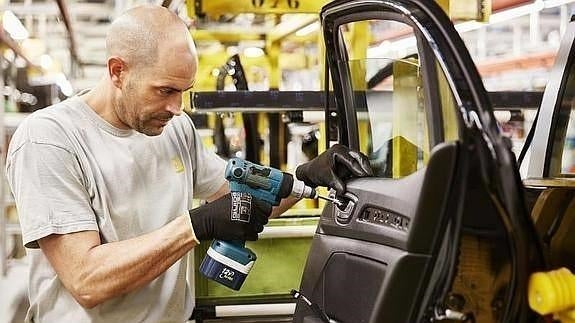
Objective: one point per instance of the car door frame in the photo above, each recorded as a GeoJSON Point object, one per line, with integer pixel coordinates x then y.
{"type": "Point", "coordinates": [480, 131]}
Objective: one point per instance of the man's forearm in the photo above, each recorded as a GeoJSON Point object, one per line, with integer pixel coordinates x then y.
{"type": "Point", "coordinates": [112, 269]}
{"type": "Point", "coordinates": [285, 205]}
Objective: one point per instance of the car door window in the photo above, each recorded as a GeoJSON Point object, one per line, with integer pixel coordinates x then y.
{"type": "Point", "coordinates": [564, 139]}
{"type": "Point", "coordinates": [391, 98]}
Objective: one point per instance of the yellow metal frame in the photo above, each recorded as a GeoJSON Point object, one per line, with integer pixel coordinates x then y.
{"type": "Point", "coordinates": [219, 7]}
{"type": "Point", "coordinates": [479, 10]}
{"type": "Point", "coordinates": [407, 112]}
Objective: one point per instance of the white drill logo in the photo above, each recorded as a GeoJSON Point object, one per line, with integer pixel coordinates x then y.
{"type": "Point", "coordinates": [227, 274]}
{"type": "Point", "coordinates": [241, 207]}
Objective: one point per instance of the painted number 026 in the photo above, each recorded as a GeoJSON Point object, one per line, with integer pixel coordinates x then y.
{"type": "Point", "coordinates": [292, 4]}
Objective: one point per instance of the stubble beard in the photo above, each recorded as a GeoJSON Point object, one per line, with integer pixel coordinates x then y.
{"type": "Point", "coordinates": [128, 113]}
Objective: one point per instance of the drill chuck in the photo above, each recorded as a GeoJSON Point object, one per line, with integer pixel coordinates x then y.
{"type": "Point", "coordinates": [300, 190]}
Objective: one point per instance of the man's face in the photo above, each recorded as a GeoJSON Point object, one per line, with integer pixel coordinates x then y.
{"type": "Point", "coordinates": [151, 96]}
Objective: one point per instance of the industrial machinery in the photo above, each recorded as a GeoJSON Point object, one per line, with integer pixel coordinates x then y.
{"type": "Point", "coordinates": [233, 69]}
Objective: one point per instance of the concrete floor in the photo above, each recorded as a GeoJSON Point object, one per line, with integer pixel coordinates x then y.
{"type": "Point", "coordinates": [14, 299]}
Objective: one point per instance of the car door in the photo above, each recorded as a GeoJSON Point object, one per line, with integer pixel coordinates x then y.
{"type": "Point", "coordinates": [551, 167]}
{"type": "Point", "coordinates": [441, 231]}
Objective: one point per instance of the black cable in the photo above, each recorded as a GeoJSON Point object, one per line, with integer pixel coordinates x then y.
{"type": "Point", "coordinates": [470, 318]}
{"type": "Point", "coordinates": [386, 71]}
{"type": "Point", "coordinates": [554, 227]}
{"type": "Point", "coordinates": [314, 307]}
{"type": "Point", "coordinates": [528, 140]}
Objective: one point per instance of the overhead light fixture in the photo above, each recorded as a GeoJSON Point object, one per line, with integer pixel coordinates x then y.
{"type": "Point", "coordinates": [46, 61]}
{"type": "Point", "coordinates": [556, 3]}
{"type": "Point", "coordinates": [469, 26]}
{"type": "Point", "coordinates": [308, 29]}
{"type": "Point", "coordinates": [13, 26]}
{"type": "Point", "coordinates": [409, 42]}
{"type": "Point", "coordinates": [402, 47]}
{"type": "Point", "coordinates": [64, 85]}
{"type": "Point", "coordinates": [232, 50]}
{"type": "Point", "coordinates": [253, 52]}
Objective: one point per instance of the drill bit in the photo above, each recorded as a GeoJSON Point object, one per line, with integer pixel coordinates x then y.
{"type": "Point", "coordinates": [331, 199]}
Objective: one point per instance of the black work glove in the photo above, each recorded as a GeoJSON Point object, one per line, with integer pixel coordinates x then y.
{"type": "Point", "coordinates": [332, 167]}
{"type": "Point", "coordinates": [235, 216]}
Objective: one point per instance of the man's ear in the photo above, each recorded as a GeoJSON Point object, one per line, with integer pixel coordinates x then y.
{"type": "Point", "coordinates": [116, 70]}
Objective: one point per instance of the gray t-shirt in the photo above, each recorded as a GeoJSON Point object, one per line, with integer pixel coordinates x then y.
{"type": "Point", "coordinates": [70, 171]}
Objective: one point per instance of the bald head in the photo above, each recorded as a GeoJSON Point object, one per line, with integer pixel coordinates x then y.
{"type": "Point", "coordinates": [139, 35]}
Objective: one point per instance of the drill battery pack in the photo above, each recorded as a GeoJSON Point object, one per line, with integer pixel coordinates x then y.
{"type": "Point", "coordinates": [228, 263]}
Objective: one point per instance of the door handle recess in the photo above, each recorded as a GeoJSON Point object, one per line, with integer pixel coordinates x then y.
{"type": "Point", "coordinates": [344, 212]}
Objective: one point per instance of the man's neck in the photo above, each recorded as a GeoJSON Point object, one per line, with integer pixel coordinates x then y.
{"type": "Point", "coordinates": [101, 100]}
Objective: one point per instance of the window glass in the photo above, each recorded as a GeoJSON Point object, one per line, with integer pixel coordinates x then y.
{"type": "Point", "coordinates": [390, 102]}
{"type": "Point", "coordinates": [563, 156]}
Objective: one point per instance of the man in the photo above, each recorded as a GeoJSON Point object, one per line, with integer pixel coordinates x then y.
{"type": "Point", "coordinates": [104, 184]}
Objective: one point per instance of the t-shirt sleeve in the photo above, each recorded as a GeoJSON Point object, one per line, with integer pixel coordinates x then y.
{"type": "Point", "coordinates": [209, 169]}
{"type": "Point", "coordinates": [50, 195]}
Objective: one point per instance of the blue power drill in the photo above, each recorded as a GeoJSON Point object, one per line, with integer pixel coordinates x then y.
{"type": "Point", "coordinates": [229, 262]}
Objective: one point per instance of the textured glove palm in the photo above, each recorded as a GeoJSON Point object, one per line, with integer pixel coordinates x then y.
{"type": "Point", "coordinates": [235, 216]}
{"type": "Point", "coordinates": [333, 167]}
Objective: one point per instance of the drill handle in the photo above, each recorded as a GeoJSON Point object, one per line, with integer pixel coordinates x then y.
{"type": "Point", "coordinates": [237, 243]}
